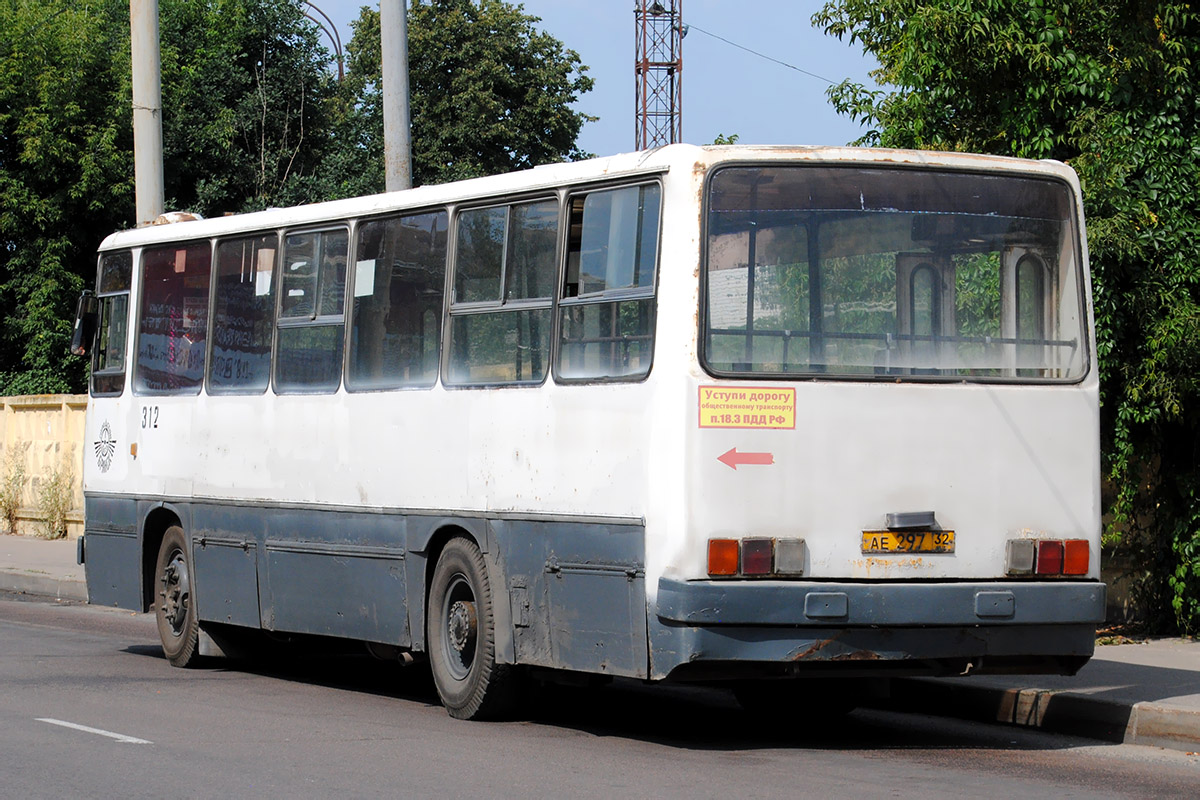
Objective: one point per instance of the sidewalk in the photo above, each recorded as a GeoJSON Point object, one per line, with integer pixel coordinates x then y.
{"type": "Point", "coordinates": [1143, 693]}
{"type": "Point", "coordinates": [29, 565]}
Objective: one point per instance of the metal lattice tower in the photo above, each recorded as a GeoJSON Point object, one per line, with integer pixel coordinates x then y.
{"type": "Point", "coordinates": [658, 69]}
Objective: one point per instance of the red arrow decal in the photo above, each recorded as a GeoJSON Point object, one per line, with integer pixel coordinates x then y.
{"type": "Point", "coordinates": [733, 458]}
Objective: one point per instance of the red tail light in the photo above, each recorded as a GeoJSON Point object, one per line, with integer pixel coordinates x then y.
{"type": "Point", "coordinates": [1049, 557]}
{"type": "Point", "coordinates": [758, 556]}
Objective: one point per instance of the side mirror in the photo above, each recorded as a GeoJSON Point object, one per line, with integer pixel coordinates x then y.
{"type": "Point", "coordinates": [87, 313]}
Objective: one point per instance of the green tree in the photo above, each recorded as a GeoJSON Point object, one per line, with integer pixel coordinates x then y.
{"type": "Point", "coordinates": [248, 104]}
{"type": "Point", "coordinates": [490, 92]}
{"type": "Point", "coordinates": [248, 112]}
{"type": "Point", "coordinates": [1111, 88]}
{"type": "Point", "coordinates": [65, 167]}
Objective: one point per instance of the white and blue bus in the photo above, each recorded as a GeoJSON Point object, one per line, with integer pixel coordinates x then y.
{"type": "Point", "coordinates": [762, 416]}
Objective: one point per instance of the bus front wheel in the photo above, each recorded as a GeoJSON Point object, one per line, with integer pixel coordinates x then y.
{"type": "Point", "coordinates": [174, 608]}
{"type": "Point", "coordinates": [462, 636]}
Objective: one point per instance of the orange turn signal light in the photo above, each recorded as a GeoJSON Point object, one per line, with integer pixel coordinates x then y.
{"type": "Point", "coordinates": [723, 556]}
{"type": "Point", "coordinates": [1075, 557]}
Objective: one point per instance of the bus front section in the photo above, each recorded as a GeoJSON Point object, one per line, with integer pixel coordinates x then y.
{"type": "Point", "coordinates": [893, 457]}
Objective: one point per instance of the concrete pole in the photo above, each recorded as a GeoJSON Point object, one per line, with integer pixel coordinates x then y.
{"type": "Point", "coordinates": [147, 110]}
{"type": "Point", "coordinates": [397, 139]}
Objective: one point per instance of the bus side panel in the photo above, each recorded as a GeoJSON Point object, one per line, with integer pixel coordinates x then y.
{"type": "Point", "coordinates": [334, 573]}
{"type": "Point", "coordinates": [707, 652]}
{"type": "Point", "coordinates": [577, 594]}
{"type": "Point", "coordinates": [225, 554]}
{"type": "Point", "coordinates": [112, 552]}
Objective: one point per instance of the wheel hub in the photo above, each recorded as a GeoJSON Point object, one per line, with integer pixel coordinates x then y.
{"type": "Point", "coordinates": [461, 624]}
{"type": "Point", "coordinates": [175, 593]}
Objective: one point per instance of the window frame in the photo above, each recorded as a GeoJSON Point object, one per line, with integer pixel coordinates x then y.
{"type": "Point", "coordinates": [139, 270]}
{"type": "Point", "coordinates": [442, 310]}
{"type": "Point", "coordinates": [607, 297]}
{"type": "Point", "coordinates": [105, 299]}
{"type": "Point", "coordinates": [214, 278]}
{"type": "Point", "coordinates": [502, 305]}
{"type": "Point", "coordinates": [316, 320]}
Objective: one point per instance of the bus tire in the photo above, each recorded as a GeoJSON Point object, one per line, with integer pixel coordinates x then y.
{"type": "Point", "coordinates": [174, 609]}
{"type": "Point", "coordinates": [461, 636]}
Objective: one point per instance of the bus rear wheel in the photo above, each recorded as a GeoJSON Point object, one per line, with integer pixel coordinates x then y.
{"type": "Point", "coordinates": [174, 608]}
{"type": "Point", "coordinates": [461, 637]}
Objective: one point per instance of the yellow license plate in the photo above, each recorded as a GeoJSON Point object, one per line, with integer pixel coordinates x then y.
{"type": "Point", "coordinates": [908, 541]}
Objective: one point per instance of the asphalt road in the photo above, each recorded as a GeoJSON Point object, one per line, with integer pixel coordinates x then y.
{"type": "Point", "coordinates": [319, 725]}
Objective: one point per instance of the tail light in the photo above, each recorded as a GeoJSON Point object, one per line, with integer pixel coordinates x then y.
{"type": "Point", "coordinates": [1075, 557]}
{"type": "Point", "coordinates": [1045, 557]}
{"type": "Point", "coordinates": [723, 557]}
{"type": "Point", "coordinates": [756, 557]}
{"type": "Point", "coordinates": [1049, 557]}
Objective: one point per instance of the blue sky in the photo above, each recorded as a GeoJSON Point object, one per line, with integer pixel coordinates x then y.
{"type": "Point", "coordinates": [726, 90]}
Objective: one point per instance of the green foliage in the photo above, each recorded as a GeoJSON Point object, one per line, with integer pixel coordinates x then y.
{"type": "Point", "coordinates": [55, 496]}
{"type": "Point", "coordinates": [12, 483]}
{"type": "Point", "coordinates": [252, 117]}
{"type": "Point", "coordinates": [490, 92]}
{"type": "Point", "coordinates": [64, 158]}
{"type": "Point", "coordinates": [977, 294]}
{"type": "Point", "coordinates": [248, 105]}
{"type": "Point", "coordinates": [1111, 88]}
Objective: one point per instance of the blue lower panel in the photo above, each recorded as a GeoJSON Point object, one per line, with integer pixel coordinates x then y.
{"type": "Point", "coordinates": [570, 594]}
{"type": "Point", "coordinates": [226, 580]}
{"type": "Point", "coordinates": [113, 570]}
{"type": "Point", "coordinates": [726, 651]}
{"type": "Point", "coordinates": [577, 594]}
{"type": "Point", "coordinates": [112, 552]}
{"type": "Point", "coordinates": [909, 627]}
{"type": "Point", "coordinates": [899, 603]}
{"type": "Point", "coordinates": [336, 591]}
{"type": "Point", "coordinates": [301, 570]}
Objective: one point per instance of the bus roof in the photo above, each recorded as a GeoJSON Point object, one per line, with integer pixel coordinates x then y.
{"type": "Point", "coordinates": [554, 175]}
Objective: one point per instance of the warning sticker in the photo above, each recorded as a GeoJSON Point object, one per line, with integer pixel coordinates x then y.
{"type": "Point", "coordinates": [747, 407]}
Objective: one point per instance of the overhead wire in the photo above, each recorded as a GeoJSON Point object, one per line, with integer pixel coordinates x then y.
{"type": "Point", "coordinates": [690, 27]}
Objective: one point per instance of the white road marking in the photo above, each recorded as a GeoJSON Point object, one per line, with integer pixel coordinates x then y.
{"type": "Point", "coordinates": [120, 737]}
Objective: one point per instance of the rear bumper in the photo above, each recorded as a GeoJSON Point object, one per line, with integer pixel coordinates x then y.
{"type": "Point", "coordinates": [716, 629]}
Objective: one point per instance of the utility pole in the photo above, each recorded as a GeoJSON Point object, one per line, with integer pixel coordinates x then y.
{"type": "Point", "coordinates": [397, 137]}
{"type": "Point", "coordinates": [147, 110]}
{"type": "Point", "coordinates": [658, 70]}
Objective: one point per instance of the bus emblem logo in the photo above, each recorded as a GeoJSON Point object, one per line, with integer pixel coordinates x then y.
{"type": "Point", "coordinates": [106, 446]}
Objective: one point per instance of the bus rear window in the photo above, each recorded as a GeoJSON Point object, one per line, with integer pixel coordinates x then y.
{"type": "Point", "coordinates": [870, 272]}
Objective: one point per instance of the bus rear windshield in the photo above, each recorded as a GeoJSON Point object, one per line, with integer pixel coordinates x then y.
{"type": "Point", "coordinates": [892, 273]}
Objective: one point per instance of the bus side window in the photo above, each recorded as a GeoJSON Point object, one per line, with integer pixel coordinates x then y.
{"type": "Point", "coordinates": [243, 315]}
{"type": "Point", "coordinates": [504, 274]}
{"type": "Point", "coordinates": [607, 308]}
{"type": "Point", "coordinates": [112, 332]}
{"type": "Point", "coordinates": [399, 284]}
{"type": "Point", "coordinates": [308, 356]}
{"type": "Point", "coordinates": [173, 322]}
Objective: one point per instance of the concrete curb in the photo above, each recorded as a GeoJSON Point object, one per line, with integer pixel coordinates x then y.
{"type": "Point", "coordinates": [43, 586]}
{"type": "Point", "coordinates": [1143, 723]}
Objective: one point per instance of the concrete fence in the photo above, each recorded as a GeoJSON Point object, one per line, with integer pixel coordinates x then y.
{"type": "Point", "coordinates": [42, 440]}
